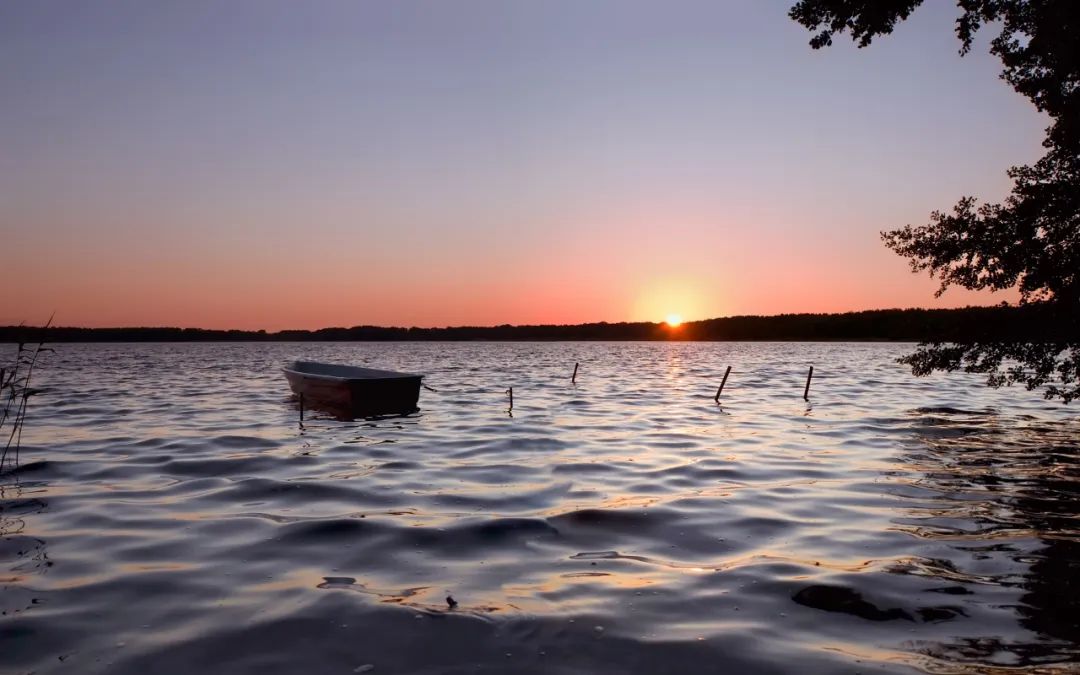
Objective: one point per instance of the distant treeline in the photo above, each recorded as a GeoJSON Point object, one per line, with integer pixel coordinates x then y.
{"type": "Point", "coordinates": [1000, 323]}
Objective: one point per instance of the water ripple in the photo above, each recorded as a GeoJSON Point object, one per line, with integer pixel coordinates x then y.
{"type": "Point", "coordinates": [171, 515]}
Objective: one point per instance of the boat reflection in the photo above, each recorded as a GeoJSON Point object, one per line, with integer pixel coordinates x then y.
{"type": "Point", "coordinates": [306, 410]}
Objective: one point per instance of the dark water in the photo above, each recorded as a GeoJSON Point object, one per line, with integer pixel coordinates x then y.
{"type": "Point", "coordinates": [170, 516]}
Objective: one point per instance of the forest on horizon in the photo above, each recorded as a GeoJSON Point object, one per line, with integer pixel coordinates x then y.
{"type": "Point", "coordinates": [1023, 323]}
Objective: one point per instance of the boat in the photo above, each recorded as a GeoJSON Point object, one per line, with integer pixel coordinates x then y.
{"type": "Point", "coordinates": [352, 391]}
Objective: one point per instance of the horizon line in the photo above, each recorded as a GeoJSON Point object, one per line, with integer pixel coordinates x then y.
{"type": "Point", "coordinates": [685, 322]}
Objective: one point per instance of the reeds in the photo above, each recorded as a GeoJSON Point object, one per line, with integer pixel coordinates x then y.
{"type": "Point", "coordinates": [15, 393]}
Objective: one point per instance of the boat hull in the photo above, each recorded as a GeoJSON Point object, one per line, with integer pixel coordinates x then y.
{"type": "Point", "coordinates": [385, 394]}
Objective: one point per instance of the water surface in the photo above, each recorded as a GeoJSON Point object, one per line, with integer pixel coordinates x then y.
{"type": "Point", "coordinates": [171, 516]}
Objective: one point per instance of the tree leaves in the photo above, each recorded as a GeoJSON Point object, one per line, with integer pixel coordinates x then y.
{"type": "Point", "coordinates": [1031, 242]}
{"type": "Point", "coordinates": [1053, 366]}
{"type": "Point", "coordinates": [864, 19]}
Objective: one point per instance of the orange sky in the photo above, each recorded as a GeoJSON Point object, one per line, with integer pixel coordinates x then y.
{"type": "Point", "coordinates": [646, 276]}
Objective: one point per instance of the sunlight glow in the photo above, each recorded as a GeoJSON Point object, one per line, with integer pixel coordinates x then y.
{"type": "Point", "coordinates": [675, 300]}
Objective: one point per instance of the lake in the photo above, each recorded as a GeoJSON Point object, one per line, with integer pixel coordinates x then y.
{"type": "Point", "coordinates": [171, 515]}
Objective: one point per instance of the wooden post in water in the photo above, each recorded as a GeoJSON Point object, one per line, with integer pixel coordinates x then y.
{"type": "Point", "coordinates": [573, 378]}
{"type": "Point", "coordinates": [510, 393]}
{"type": "Point", "coordinates": [722, 383]}
{"type": "Point", "coordinates": [301, 408]}
{"type": "Point", "coordinates": [806, 392]}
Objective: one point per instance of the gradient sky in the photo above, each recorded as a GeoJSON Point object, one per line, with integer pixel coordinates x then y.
{"type": "Point", "coordinates": [273, 164]}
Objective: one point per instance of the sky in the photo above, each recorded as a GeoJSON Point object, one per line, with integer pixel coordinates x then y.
{"type": "Point", "coordinates": [269, 164]}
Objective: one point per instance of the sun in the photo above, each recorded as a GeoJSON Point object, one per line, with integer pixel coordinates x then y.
{"type": "Point", "coordinates": [673, 320]}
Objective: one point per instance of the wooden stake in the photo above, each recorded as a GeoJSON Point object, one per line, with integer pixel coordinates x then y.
{"type": "Point", "coordinates": [573, 378]}
{"type": "Point", "coordinates": [722, 383]}
{"type": "Point", "coordinates": [301, 408]}
{"type": "Point", "coordinates": [510, 393]}
{"type": "Point", "coordinates": [806, 392]}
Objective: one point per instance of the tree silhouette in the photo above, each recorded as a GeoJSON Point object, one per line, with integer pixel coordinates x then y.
{"type": "Point", "coordinates": [1031, 241]}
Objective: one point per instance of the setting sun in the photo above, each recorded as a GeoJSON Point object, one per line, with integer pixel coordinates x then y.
{"type": "Point", "coordinates": [673, 320]}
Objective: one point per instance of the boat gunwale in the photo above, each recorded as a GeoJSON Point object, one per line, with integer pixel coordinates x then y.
{"type": "Point", "coordinates": [384, 374]}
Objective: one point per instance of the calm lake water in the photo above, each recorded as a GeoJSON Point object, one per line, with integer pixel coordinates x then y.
{"type": "Point", "coordinates": [171, 516]}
